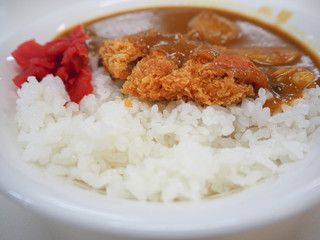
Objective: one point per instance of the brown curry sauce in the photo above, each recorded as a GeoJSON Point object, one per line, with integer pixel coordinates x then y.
{"type": "Point", "coordinates": [253, 33]}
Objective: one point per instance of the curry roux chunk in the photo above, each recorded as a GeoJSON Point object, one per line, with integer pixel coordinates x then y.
{"type": "Point", "coordinates": [160, 66]}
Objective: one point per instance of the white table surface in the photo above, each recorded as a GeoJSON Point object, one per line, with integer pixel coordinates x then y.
{"type": "Point", "coordinates": [18, 223]}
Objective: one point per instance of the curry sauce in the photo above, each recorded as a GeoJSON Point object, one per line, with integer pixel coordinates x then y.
{"type": "Point", "coordinates": [253, 35]}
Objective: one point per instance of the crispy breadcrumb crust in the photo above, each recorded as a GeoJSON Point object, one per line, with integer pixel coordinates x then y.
{"type": "Point", "coordinates": [208, 77]}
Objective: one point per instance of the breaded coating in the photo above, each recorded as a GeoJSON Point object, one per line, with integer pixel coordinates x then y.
{"type": "Point", "coordinates": [117, 55]}
{"type": "Point", "coordinates": [157, 78]}
{"type": "Point", "coordinates": [170, 67]}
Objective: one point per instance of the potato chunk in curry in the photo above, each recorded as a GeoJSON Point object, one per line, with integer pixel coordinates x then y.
{"type": "Point", "coordinates": [213, 28]}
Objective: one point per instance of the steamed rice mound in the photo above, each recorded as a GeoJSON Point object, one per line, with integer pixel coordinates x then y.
{"type": "Point", "coordinates": [164, 151]}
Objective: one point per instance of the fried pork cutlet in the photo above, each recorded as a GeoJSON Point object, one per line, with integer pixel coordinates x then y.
{"type": "Point", "coordinates": [159, 66]}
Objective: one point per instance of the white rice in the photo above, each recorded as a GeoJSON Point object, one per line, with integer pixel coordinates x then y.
{"type": "Point", "coordinates": [159, 151]}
